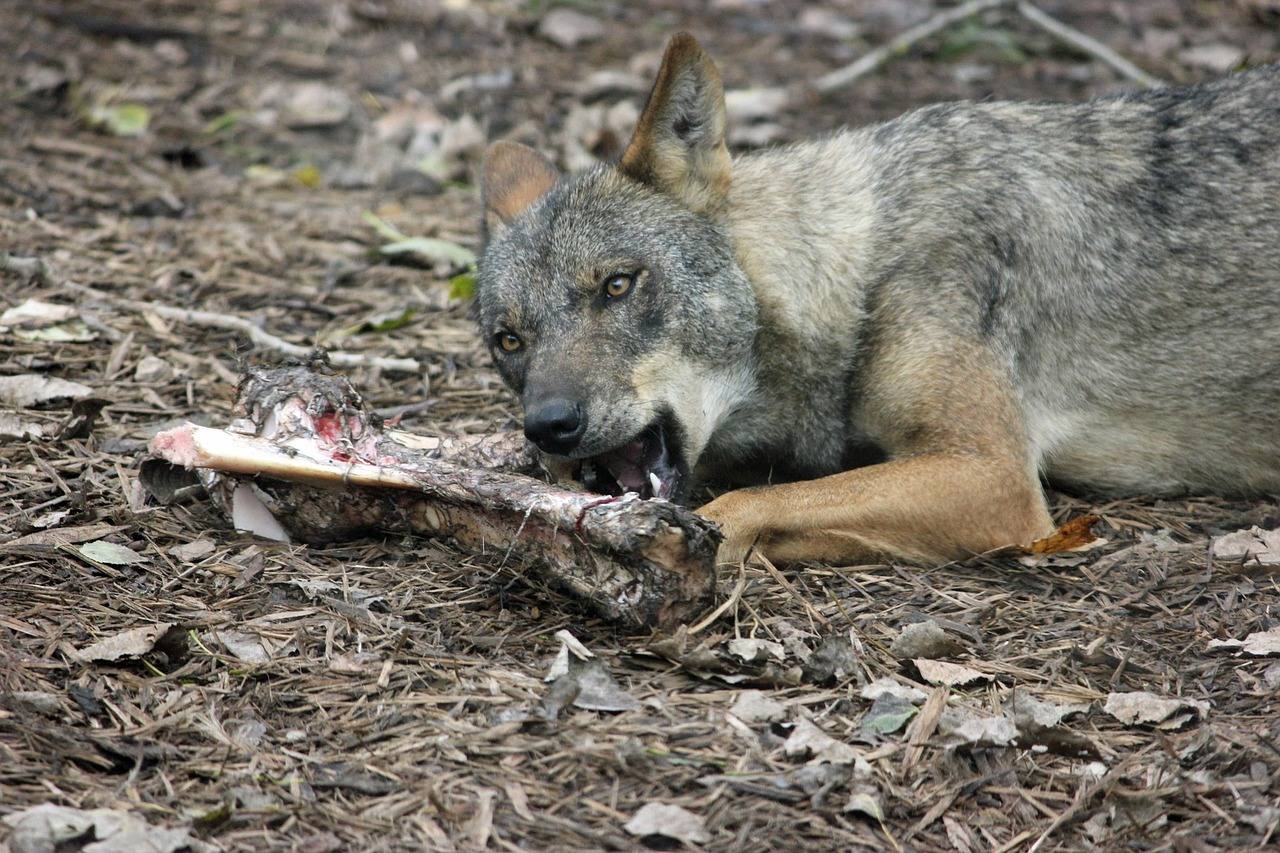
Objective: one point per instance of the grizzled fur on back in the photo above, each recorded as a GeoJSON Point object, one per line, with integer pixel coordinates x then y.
{"type": "Point", "coordinates": [1119, 259]}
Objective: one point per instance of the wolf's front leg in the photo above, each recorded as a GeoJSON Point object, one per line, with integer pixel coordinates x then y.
{"type": "Point", "coordinates": [960, 479]}
{"type": "Point", "coordinates": [925, 509]}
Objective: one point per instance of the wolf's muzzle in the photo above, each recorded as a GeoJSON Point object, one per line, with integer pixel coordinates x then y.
{"type": "Point", "coordinates": [556, 425]}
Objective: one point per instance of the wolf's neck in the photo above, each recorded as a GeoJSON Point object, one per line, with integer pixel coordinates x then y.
{"type": "Point", "coordinates": [802, 221]}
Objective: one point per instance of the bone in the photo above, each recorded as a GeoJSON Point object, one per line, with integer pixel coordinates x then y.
{"type": "Point", "coordinates": [304, 446]}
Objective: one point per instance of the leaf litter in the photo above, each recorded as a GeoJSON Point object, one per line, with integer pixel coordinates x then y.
{"type": "Point", "coordinates": [400, 694]}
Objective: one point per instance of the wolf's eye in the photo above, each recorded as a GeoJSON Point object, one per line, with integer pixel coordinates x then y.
{"type": "Point", "coordinates": [617, 286]}
{"type": "Point", "coordinates": [508, 342]}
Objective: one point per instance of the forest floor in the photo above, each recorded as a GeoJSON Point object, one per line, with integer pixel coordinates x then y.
{"type": "Point", "coordinates": [388, 693]}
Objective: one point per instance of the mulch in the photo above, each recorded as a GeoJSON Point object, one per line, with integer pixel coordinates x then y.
{"type": "Point", "coordinates": [389, 693]}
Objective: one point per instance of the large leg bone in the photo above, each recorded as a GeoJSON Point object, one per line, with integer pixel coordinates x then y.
{"type": "Point", "coordinates": [305, 448]}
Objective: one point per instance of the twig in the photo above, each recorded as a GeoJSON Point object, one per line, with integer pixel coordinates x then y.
{"type": "Point", "coordinates": [1091, 46]}
{"type": "Point", "coordinates": [208, 319]}
{"type": "Point", "coordinates": [870, 62]}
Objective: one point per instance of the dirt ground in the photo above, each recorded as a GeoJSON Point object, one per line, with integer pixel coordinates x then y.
{"type": "Point", "coordinates": [388, 694]}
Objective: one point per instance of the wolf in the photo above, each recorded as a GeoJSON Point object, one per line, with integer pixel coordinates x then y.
{"type": "Point", "coordinates": [887, 337]}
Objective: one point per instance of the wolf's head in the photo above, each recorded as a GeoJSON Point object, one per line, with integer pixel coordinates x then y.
{"type": "Point", "coordinates": [610, 298]}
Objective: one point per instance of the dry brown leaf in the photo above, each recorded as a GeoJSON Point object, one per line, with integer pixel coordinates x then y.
{"type": "Point", "coordinates": [1254, 545]}
{"type": "Point", "coordinates": [1259, 644]}
{"type": "Point", "coordinates": [950, 674]}
{"type": "Point", "coordinates": [1075, 535]}
{"type": "Point", "coordinates": [50, 827]}
{"type": "Point", "coordinates": [131, 643]}
{"type": "Point", "coordinates": [32, 389]}
{"type": "Point", "coordinates": [670, 821]}
{"type": "Point", "coordinates": [752, 706]}
{"type": "Point", "coordinates": [1143, 708]}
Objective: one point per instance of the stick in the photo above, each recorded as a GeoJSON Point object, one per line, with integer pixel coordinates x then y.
{"type": "Point", "coordinates": [1091, 46]}
{"type": "Point", "coordinates": [208, 319]}
{"type": "Point", "coordinates": [321, 470]}
{"type": "Point", "coordinates": [901, 44]}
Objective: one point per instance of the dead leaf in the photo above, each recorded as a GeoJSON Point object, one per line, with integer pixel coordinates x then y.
{"type": "Point", "coordinates": [1028, 712]}
{"type": "Point", "coordinates": [568, 28]}
{"type": "Point", "coordinates": [924, 640]}
{"type": "Point", "coordinates": [1253, 545]}
{"type": "Point", "coordinates": [867, 802]}
{"type": "Point", "coordinates": [833, 660]}
{"type": "Point", "coordinates": [46, 827]}
{"type": "Point", "coordinates": [32, 389]}
{"type": "Point", "coordinates": [13, 427]}
{"type": "Point", "coordinates": [1143, 708]}
{"type": "Point", "coordinates": [63, 536]}
{"type": "Point", "coordinates": [669, 821]}
{"type": "Point", "coordinates": [131, 643]}
{"type": "Point", "coordinates": [888, 686]}
{"type": "Point", "coordinates": [153, 370]}
{"type": "Point", "coordinates": [807, 740]}
{"type": "Point", "coordinates": [1217, 57]}
{"type": "Point", "coordinates": [243, 646]}
{"type": "Point", "coordinates": [352, 777]}
{"type": "Point", "coordinates": [757, 651]}
{"type": "Point", "coordinates": [1075, 535]}
{"type": "Point", "coordinates": [191, 552]}
{"type": "Point", "coordinates": [355, 663]}
{"type": "Point", "coordinates": [951, 674]}
{"type": "Point", "coordinates": [752, 706]}
{"type": "Point", "coordinates": [1259, 644]}
{"type": "Point", "coordinates": [963, 728]}
{"type": "Point", "coordinates": [110, 553]}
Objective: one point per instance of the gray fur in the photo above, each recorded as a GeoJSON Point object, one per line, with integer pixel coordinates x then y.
{"type": "Point", "coordinates": [1120, 257]}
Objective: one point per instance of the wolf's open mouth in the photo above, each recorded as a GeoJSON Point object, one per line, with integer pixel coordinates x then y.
{"type": "Point", "coordinates": [651, 465]}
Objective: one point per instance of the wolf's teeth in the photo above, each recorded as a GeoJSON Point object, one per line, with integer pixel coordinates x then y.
{"type": "Point", "coordinates": [656, 483]}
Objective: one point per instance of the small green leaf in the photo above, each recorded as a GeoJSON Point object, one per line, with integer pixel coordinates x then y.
{"type": "Point", "coordinates": [110, 553]}
{"type": "Point", "coordinates": [226, 121]}
{"type": "Point", "coordinates": [432, 249]}
{"type": "Point", "coordinates": [307, 175]}
{"type": "Point", "coordinates": [121, 119]}
{"type": "Point", "coordinates": [385, 229]}
{"type": "Point", "coordinates": [463, 286]}
{"type": "Point", "coordinates": [385, 321]}
{"type": "Point", "coordinates": [888, 713]}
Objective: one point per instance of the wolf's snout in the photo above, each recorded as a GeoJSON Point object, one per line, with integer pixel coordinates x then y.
{"type": "Point", "coordinates": [555, 425]}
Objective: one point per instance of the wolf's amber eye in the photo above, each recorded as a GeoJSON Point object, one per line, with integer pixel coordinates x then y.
{"type": "Point", "coordinates": [617, 286]}
{"type": "Point", "coordinates": [509, 342]}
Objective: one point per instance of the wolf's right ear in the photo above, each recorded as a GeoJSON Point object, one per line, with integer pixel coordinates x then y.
{"type": "Point", "coordinates": [515, 176]}
{"type": "Point", "coordinates": [679, 145]}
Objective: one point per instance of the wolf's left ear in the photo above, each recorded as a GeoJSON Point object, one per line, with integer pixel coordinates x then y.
{"type": "Point", "coordinates": [678, 147]}
{"type": "Point", "coordinates": [515, 176]}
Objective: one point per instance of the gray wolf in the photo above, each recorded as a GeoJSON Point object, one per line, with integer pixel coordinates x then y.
{"type": "Point", "coordinates": [985, 294]}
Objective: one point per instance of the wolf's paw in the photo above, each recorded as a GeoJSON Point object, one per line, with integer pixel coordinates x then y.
{"type": "Point", "coordinates": [736, 516]}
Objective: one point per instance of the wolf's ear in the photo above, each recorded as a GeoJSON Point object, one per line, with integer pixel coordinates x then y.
{"type": "Point", "coordinates": [515, 176]}
{"type": "Point", "coordinates": [679, 145]}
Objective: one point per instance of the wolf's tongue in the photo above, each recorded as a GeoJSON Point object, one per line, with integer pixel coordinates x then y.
{"type": "Point", "coordinates": [630, 477]}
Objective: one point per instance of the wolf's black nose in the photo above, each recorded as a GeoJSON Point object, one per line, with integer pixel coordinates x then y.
{"type": "Point", "coordinates": [556, 425]}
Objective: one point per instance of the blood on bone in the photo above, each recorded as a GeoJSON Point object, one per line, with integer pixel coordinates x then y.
{"type": "Point", "coordinates": [176, 445]}
{"type": "Point", "coordinates": [329, 427]}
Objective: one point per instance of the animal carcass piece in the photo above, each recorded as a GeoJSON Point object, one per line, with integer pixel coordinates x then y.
{"type": "Point", "coordinates": [304, 460]}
